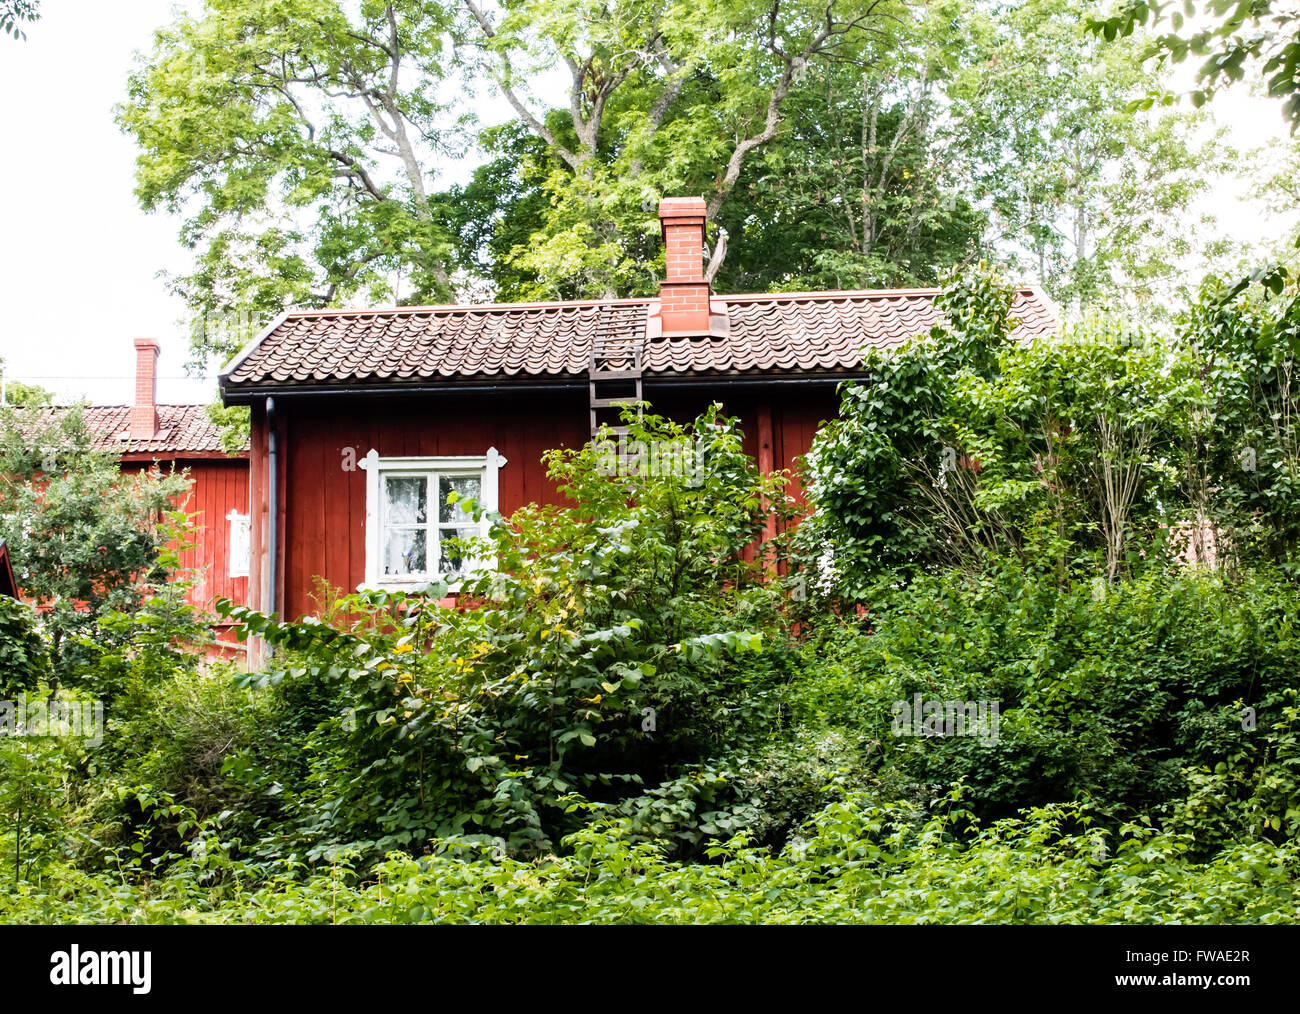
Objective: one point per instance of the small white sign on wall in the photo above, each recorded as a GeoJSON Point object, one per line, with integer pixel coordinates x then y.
{"type": "Point", "coordinates": [240, 544]}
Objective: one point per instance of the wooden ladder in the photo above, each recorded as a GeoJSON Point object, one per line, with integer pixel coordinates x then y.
{"type": "Point", "coordinates": [614, 373]}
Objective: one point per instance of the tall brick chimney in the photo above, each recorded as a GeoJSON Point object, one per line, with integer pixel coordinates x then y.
{"type": "Point", "coordinates": [144, 413]}
{"type": "Point", "coordinates": [683, 294]}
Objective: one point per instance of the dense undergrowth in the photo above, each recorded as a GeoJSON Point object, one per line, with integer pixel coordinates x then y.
{"type": "Point", "coordinates": [633, 719]}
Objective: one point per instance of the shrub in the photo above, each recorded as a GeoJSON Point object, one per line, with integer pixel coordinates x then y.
{"type": "Point", "coordinates": [621, 641]}
{"type": "Point", "coordinates": [24, 660]}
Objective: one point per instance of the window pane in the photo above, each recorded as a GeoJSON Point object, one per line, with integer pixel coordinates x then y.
{"type": "Point", "coordinates": [406, 499]}
{"type": "Point", "coordinates": [468, 486]}
{"type": "Point", "coordinates": [404, 551]}
{"type": "Point", "coordinates": [451, 556]}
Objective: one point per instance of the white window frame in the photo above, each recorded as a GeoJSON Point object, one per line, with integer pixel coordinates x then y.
{"type": "Point", "coordinates": [488, 465]}
{"type": "Point", "coordinates": [237, 564]}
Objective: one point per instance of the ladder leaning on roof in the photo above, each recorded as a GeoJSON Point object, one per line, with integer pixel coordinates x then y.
{"type": "Point", "coordinates": [614, 372]}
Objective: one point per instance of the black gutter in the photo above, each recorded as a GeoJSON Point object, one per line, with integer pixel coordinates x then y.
{"type": "Point", "coordinates": [273, 504]}
{"type": "Point", "coordinates": [240, 396]}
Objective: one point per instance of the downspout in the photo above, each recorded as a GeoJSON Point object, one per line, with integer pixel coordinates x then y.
{"type": "Point", "coordinates": [273, 505]}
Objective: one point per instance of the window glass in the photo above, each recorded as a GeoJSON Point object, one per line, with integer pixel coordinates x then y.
{"type": "Point", "coordinates": [467, 487]}
{"type": "Point", "coordinates": [405, 551]}
{"type": "Point", "coordinates": [407, 497]}
{"type": "Point", "coordinates": [239, 545]}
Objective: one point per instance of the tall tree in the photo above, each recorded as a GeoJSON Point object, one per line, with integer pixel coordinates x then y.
{"type": "Point", "coordinates": [1093, 200]}
{"type": "Point", "coordinates": [859, 188]}
{"type": "Point", "coordinates": [296, 138]}
{"type": "Point", "coordinates": [839, 142]}
{"type": "Point", "coordinates": [1229, 36]}
{"type": "Point", "coordinates": [299, 138]}
{"type": "Point", "coordinates": [662, 97]}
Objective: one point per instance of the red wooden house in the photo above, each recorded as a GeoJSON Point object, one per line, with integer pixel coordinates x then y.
{"type": "Point", "coordinates": [182, 437]}
{"type": "Point", "coordinates": [363, 420]}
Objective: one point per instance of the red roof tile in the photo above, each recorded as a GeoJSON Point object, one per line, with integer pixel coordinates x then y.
{"type": "Point", "coordinates": [181, 429]}
{"type": "Point", "coordinates": [779, 333]}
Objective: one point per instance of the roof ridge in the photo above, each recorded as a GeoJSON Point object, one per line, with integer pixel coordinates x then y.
{"type": "Point", "coordinates": [467, 307]}
{"type": "Point", "coordinates": [378, 311]}
{"type": "Point", "coordinates": [1020, 290]}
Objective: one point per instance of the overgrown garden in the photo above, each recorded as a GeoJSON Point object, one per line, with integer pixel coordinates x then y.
{"type": "Point", "coordinates": [634, 716]}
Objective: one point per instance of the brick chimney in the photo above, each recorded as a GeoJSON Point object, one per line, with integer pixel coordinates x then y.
{"type": "Point", "coordinates": [683, 294]}
{"type": "Point", "coordinates": [144, 413]}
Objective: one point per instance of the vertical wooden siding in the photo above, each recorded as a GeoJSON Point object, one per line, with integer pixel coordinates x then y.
{"type": "Point", "coordinates": [323, 500]}
{"type": "Point", "coordinates": [219, 485]}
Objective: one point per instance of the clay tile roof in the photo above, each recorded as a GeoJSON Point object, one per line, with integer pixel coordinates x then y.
{"type": "Point", "coordinates": [778, 333]}
{"type": "Point", "coordinates": [181, 429]}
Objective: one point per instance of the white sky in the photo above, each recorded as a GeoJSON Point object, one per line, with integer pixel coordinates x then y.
{"type": "Point", "coordinates": [79, 259]}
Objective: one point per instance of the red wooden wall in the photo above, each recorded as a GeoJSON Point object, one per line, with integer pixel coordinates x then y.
{"type": "Point", "coordinates": [323, 500]}
{"type": "Point", "coordinates": [219, 485]}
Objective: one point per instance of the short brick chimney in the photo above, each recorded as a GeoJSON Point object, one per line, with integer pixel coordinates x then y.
{"type": "Point", "coordinates": [683, 294]}
{"type": "Point", "coordinates": [144, 412]}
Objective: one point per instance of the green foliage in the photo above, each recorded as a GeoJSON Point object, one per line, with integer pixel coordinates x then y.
{"type": "Point", "coordinates": [856, 863]}
{"type": "Point", "coordinates": [1102, 446]}
{"type": "Point", "coordinates": [497, 212]}
{"type": "Point", "coordinates": [847, 144]}
{"type": "Point", "coordinates": [44, 741]}
{"type": "Point", "coordinates": [24, 661]}
{"type": "Point", "coordinates": [635, 715]}
{"type": "Point", "coordinates": [87, 540]}
{"type": "Point", "coordinates": [1254, 792]}
{"type": "Point", "coordinates": [287, 130]}
{"type": "Point", "coordinates": [14, 11]}
{"type": "Point", "coordinates": [603, 655]}
{"type": "Point", "coordinates": [1096, 203]}
{"type": "Point", "coordinates": [864, 465]}
{"type": "Point", "coordinates": [857, 190]}
{"type": "Point", "coordinates": [1244, 463]}
{"type": "Point", "coordinates": [1106, 696]}
{"type": "Point", "coordinates": [23, 395]}
{"type": "Point", "coordinates": [235, 424]}
{"type": "Point", "coordinates": [1229, 36]}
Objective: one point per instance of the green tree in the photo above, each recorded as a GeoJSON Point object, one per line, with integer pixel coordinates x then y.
{"type": "Point", "coordinates": [15, 392]}
{"type": "Point", "coordinates": [964, 449]}
{"type": "Point", "coordinates": [858, 190]}
{"type": "Point", "coordinates": [297, 137]}
{"type": "Point", "coordinates": [1244, 464]}
{"type": "Point", "coordinates": [1228, 35]}
{"type": "Point", "coordinates": [499, 210]}
{"type": "Point", "coordinates": [1092, 199]}
{"type": "Point", "coordinates": [303, 134]}
{"type": "Point", "coordinates": [86, 538]}
{"type": "Point", "coordinates": [665, 97]}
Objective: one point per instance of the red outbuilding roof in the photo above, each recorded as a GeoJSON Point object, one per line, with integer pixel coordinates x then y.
{"type": "Point", "coordinates": [182, 429]}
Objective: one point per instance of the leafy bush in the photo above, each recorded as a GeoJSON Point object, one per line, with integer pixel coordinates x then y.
{"type": "Point", "coordinates": [1106, 697]}
{"type": "Point", "coordinates": [603, 656]}
{"type": "Point", "coordinates": [86, 538]}
{"type": "Point", "coordinates": [856, 863]}
{"type": "Point", "coordinates": [24, 660]}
